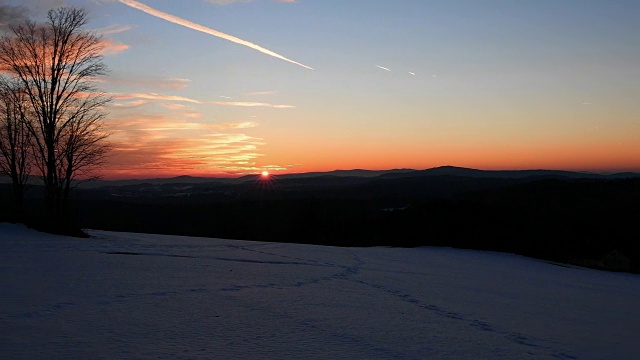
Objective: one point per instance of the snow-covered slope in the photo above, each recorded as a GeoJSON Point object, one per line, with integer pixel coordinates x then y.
{"type": "Point", "coordinates": [139, 296]}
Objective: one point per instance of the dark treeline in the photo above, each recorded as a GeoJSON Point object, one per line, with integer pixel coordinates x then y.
{"type": "Point", "coordinates": [588, 222]}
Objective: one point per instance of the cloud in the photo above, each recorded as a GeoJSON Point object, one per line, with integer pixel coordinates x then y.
{"type": "Point", "coordinates": [155, 144]}
{"type": "Point", "coordinates": [129, 104]}
{"type": "Point", "coordinates": [241, 125]}
{"type": "Point", "coordinates": [161, 123]}
{"type": "Point", "coordinates": [149, 82]}
{"type": "Point", "coordinates": [192, 114]}
{"type": "Point", "coordinates": [154, 96]}
{"type": "Point", "coordinates": [111, 47]}
{"type": "Point", "coordinates": [383, 68]}
{"type": "Point", "coordinates": [262, 93]}
{"type": "Point", "coordinates": [26, 10]}
{"type": "Point", "coordinates": [174, 106]}
{"type": "Point", "coordinates": [287, 1]}
{"type": "Point", "coordinates": [180, 21]}
{"type": "Point", "coordinates": [113, 29]}
{"type": "Point", "coordinates": [160, 97]}
{"type": "Point", "coordinates": [250, 104]}
{"type": "Point", "coordinates": [12, 15]}
{"type": "Point", "coordinates": [174, 125]}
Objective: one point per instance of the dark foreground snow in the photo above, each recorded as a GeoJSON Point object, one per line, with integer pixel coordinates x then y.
{"type": "Point", "coordinates": [137, 296]}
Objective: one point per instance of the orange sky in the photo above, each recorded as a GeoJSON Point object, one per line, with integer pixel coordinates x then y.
{"type": "Point", "coordinates": [225, 90]}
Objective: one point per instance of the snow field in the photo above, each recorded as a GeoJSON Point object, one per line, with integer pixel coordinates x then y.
{"type": "Point", "coordinates": [123, 295]}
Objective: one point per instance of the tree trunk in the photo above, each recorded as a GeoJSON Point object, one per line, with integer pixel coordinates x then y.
{"type": "Point", "coordinates": [18, 199]}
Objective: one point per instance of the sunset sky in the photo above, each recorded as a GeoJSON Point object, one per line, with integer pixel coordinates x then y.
{"type": "Point", "coordinates": [224, 88]}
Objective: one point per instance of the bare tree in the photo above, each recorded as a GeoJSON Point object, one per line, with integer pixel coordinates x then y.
{"type": "Point", "coordinates": [82, 149]}
{"type": "Point", "coordinates": [58, 63]}
{"type": "Point", "coordinates": [15, 141]}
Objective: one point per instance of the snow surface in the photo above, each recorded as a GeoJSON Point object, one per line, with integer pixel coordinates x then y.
{"type": "Point", "coordinates": [140, 296]}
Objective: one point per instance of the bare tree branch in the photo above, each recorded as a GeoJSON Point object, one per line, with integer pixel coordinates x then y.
{"type": "Point", "coordinates": [15, 139]}
{"type": "Point", "coordinates": [57, 64]}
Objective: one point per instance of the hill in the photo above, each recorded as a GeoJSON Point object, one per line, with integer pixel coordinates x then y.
{"type": "Point", "coordinates": [579, 218]}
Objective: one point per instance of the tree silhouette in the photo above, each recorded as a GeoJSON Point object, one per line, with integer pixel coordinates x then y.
{"type": "Point", "coordinates": [15, 141]}
{"type": "Point", "coordinates": [58, 64]}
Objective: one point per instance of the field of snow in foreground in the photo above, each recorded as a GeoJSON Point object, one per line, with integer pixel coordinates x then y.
{"type": "Point", "coordinates": [139, 296]}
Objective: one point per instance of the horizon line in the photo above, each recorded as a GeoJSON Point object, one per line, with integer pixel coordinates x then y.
{"type": "Point", "coordinates": [284, 173]}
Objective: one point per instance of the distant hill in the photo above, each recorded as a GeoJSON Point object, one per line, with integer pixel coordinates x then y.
{"type": "Point", "coordinates": [183, 179]}
{"type": "Point", "coordinates": [367, 174]}
{"type": "Point", "coordinates": [440, 182]}
{"type": "Point", "coordinates": [509, 174]}
{"type": "Point", "coordinates": [355, 173]}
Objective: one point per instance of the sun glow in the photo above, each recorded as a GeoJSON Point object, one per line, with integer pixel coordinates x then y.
{"type": "Point", "coordinates": [265, 174]}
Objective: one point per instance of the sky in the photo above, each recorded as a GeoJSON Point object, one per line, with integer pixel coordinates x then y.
{"type": "Point", "coordinates": [234, 87]}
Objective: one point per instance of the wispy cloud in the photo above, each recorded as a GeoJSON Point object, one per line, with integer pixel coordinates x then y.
{"type": "Point", "coordinates": [173, 106]}
{"type": "Point", "coordinates": [129, 104]}
{"type": "Point", "coordinates": [154, 96]}
{"type": "Point", "coordinates": [153, 144]}
{"type": "Point", "coordinates": [113, 29]}
{"type": "Point", "coordinates": [383, 68]}
{"type": "Point", "coordinates": [192, 114]}
{"type": "Point", "coordinates": [180, 21]}
{"type": "Point", "coordinates": [242, 125]}
{"type": "Point", "coordinates": [262, 93]}
{"type": "Point", "coordinates": [172, 125]}
{"type": "Point", "coordinates": [251, 104]}
{"type": "Point", "coordinates": [111, 47]}
{"type": "Point", "coordinates": [148, 82]}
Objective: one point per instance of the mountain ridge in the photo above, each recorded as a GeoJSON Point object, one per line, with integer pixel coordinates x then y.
{"type": "Point", "coordinates": [364, 173]}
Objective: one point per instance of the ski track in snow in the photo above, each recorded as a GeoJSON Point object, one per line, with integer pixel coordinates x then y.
{"type": "Point", "coordinates": [270, 300]}
{"type": "Point", "coordinates": [349, 271]}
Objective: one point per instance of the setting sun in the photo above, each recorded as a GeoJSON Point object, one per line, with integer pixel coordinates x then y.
{"type": "Point", "coordinates": [265, 174]}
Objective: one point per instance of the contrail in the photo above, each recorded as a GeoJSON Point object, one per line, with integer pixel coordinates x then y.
{"type": "Point", "coordinates": [180, 21]}
{"type": "Point", "coordinates": [383, 68]}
